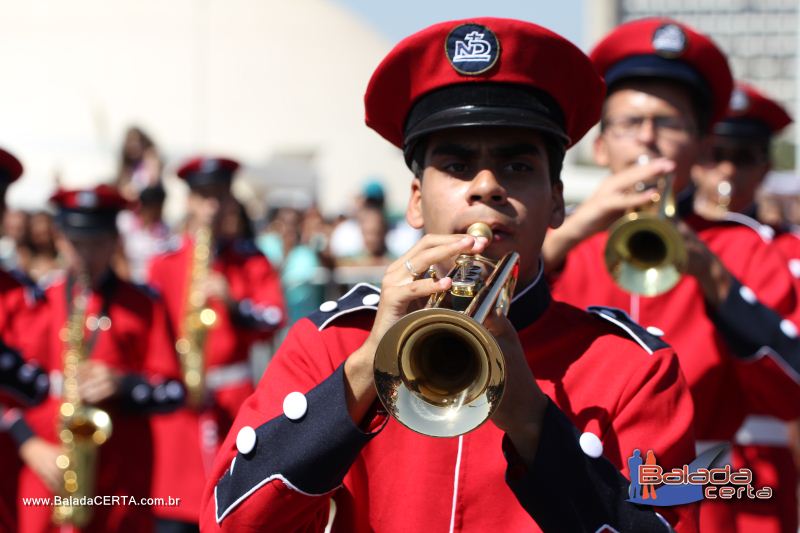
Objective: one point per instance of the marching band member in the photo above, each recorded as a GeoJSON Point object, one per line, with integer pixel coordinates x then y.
{"type": "Point", "coordinates": [668, 85]}
{"type": "Point", "coordinates": [110, 342]}
{"type": "Point", "coordinates": [727, 177]}
{"type": "Point", "coordinates": [215, 271]}
{"type": "Point", "coordinates": [484, 110]}
{"type": "Point", "coordinates": [22, 382]}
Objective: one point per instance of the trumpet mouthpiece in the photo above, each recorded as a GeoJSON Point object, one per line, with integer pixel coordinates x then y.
{"type": "Point", "coordinates": [480, 229]}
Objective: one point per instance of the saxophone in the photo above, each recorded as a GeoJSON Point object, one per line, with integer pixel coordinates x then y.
{"type": "Point", "coordinates": [197, 320]}
{"type": "Point", "coordinates": [81, 430]}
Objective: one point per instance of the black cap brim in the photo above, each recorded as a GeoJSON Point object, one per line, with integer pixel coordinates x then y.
{"type": "Point", "coordinates": [654, 66]}
{"type": "Point", "coordinates": [745, 128]}
{"type": "Point", "coordinates": [81, 222]}
{"type": "Point", "coordinates": [483, 105]}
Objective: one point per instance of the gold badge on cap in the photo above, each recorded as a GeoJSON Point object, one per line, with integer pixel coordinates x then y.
{"type": "Point", "coordinates": [669, 40]}
{"type": "Point", "coordinates": [472, 49]}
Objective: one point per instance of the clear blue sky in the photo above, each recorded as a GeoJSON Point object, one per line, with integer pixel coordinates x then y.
{"type": "Point", "coordinates": [399, 18]}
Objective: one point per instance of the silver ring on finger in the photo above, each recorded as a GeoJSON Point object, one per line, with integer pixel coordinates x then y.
{"type": "Point", "coordinates": [410, 268]}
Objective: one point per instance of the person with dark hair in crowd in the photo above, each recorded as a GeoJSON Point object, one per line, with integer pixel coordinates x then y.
{"type": "Point", "coordinates": [110, 344]}
{"type": "Point", "coordinates": [373, 227]}
{"type": "Point", "coordinates": [347, 240]}
{"type": "Point", "coordinates": [298, 263]}
{"type": "Point", "coordinates": [145, 232]}
{"type": "Point", "coordinates": [484, 110]}
{"type": "Point", "coordinates": [222, 295]}
{"type": "Point", "coordinates": [36, 253]}
{"type": "Point", "coordinates": [139, 164]}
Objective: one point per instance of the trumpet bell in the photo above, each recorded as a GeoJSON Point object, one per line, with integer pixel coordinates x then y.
{"type": "Point", "coordinates": [439, 372]}
{"type": "Point", "coordinates": [645, 254]}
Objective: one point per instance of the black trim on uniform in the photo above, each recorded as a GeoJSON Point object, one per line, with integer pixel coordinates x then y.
{"type": "Point", "coordinates": [23, 381]}
{"type": "Point", "coordinates": [312, 454]}
{"type": "Point", "coordinates": [566, 490]}
{"type": "Point", "coordinates": [624, 321]}
{"type": "Point", "coordinates": [247, 315]}
{"type": "Point", "coordinates": [530, 302]}
{"type": "Point", "coordinates": [749, 326]}
{"type": "Point", "coordinates": [20, 431]}
{"type": "Point", "coordinates": [352, 301]}
{"type": "Point", "coordinates": [139, 395]}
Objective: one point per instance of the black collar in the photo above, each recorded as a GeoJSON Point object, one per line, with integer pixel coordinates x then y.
{"type": "Point", "coordinates": [531, 302]}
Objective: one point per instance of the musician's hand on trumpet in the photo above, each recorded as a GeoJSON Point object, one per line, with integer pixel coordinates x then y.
{"type": "Point", "coordinates": [702, 264]}
{"type": "Point", "coordinates": [402, 287]}
{"type": "Point", "coordinates": [522, 409]}
{"type": "Point", "coordinates": [617, 194]}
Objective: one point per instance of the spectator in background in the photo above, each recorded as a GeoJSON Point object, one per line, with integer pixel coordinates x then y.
{"type": "Point", "coordinates": [145, 234]}
{"type": "Point", "coordinates": [36, 253]}
{"type": "Point", "coordinates": [347, 240]}
{"type": "Point", "coordinates": [140, 164]}
{"type": "Point", "coordinates": [373, 226]}
{"type": "Point", "coordinates": [315, 232]}
{"type": "Point", "coordinates": [15, 222]}
{"type": "Point", "coordinates": [297, 262]}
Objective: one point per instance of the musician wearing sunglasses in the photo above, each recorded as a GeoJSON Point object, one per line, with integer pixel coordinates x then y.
{"type": "Point", "coordinates": [726, 289]}
{"type": "Point", "coordinates": [483, 110]}
{"type": "Point", "coordinates": [727, 177]}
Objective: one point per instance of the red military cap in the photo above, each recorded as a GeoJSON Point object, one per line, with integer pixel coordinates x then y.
{"type": "Point", "coordinates": [483, 72]}
{"type": "Point", "coordinates": [10, 167]}
{"type": "Point", "coordinates": [752, 114]}
{"type": "Point", "coordinates": [88, 210]}
{"type": "Point", "coordinates": [201, 170]}
{"type": "Point", "coordinates": [667, 49]}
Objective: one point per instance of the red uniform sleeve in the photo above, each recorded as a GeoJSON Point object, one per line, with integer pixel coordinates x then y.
{"type": "Point", "coordinates": [654, 409]}
{"type": "Point", "coordinates": [260, 308]}
{"type": "Point", "coordinates": [157, 388]}
{"type": "Point", "coordinates": [763, 344]}
{"type": "Point", "coordinates": [277, 473]}
{"type": "Point", "coordinates": [657, 408]}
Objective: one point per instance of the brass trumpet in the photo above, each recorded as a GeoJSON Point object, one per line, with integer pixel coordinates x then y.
{"type": "Point", "coordinates": [645, 253]}
{"type": "Point", "coordinates": [438, 370]}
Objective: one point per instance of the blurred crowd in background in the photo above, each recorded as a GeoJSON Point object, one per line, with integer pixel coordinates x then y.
{"type": "Point", "coordinates": [318, 257]}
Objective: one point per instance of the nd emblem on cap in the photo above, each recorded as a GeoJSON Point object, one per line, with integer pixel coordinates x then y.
{"type": "Point", "coordinates": [472, 49]}
{"type": "Point", "coordinates": [669, 40]}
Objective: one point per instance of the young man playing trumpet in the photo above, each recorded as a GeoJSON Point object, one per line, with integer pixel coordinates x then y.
{"type": "Point", "coordinates": [668, 85]}
{"type": "Point", "coordinates": [484, 110]}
